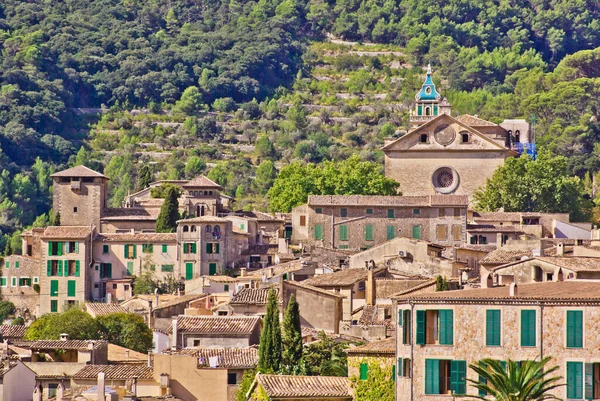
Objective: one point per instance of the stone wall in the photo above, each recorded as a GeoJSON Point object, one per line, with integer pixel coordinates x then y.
{"type": "Point", "coordinates": [317, 310]}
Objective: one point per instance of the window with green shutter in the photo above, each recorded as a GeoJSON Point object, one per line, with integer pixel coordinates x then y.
{"type": "Point", "coordinates": [574, 329]}
{"type": "Point", "coordinates": [166, 268]}
{"type": "Point", "coordinates": [446, 327]}
{"type": "Point", "coordinates": [406, 326]}
{"type": "Point", "coordinates": [391, 232]}
{"type": "Point", "coordinates": [53, 288]}
{"type": "Point", "coordinates": [3, 281]}
{"type": "Point", "coordinates": [189, 271]}
{"type": "Point", "coordinates": [343, 232]}
{"type": "Point", "coordinates": [13, 281]}
{"type": "Point", "coordinates": [193, 247]}
{"type": "Point", "coordinates": [400, 368]}
{"type": "Point", "coordinates": [318, 232]}
{"type": "Point", "coordinates": [60, 248]}
{"type": "Point", "coordinates": [54, 305]}
{"type": "Point", "coordinates": [492, 328]}
{"type": "Point", "coordinates": [71, 285]}
{"type": "Point", "coordinates": [589, 382]}
{"type": "Point", "coordinates": [16, 265]}
{"type": "Point", "coordinates": [368, 232]}
{"type": "Point", "coordinates": [458, 377]}
{"type": "Point", "coordinates": [212, 269]}
{"type": "Point", "coordinates": [528, 328]}
{"type": "Point", "coordinates": [393, 373]}
{"type": "Point", "coordinates": [364, 371]}
{"type": "Point", "coordinates": [390, 213]}
{"type": "Point", "coordinates": [77, 268]}
{"type": "Point", "coordinates": [164, 248]}
{"type": "Point", "coordinates": [7, 264]}
{"type": "Point", "coordinates": [421, 327]}
{"type": "Point", "coordinates": [105, 249]}
{"type": "Point", "coordinates": [130, 268]}
{"type": "Point", "coordinates": [60, 268]}
{"type": "Point", "coordinates": [369, 211]}
{"type": "Point", "coordinates": [225, 287]}
{"type": "Point", "coordinates": [416, 232]}
{"type": "Point", "coordinates": [575, 380]}
{"type": "Point", "coordinates": [217, 248]}
{"type": "Point", "coordinates": [432, 376]}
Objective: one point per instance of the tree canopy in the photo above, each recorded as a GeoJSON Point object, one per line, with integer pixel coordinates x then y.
{"type": "Point", "coordinates": [166, 222]}
{"type": "Point", "coordinates": [127, 330]}
{"type": "Point", "coordinates": [78, 324]}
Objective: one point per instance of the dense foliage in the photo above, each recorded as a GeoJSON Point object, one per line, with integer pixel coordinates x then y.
{"type": "Point", "coordinates": [379, 384]}
{"type": "Point", "coordinates": [292, 338]}
{"type": "Point", "coordinates": [6, 310]}
{"type": "Point", "coordinates": [269, 349]}
{"type": "Point", "coordinates": [166, 222]}
{"type": "Point", "coordinates": [127, 330]}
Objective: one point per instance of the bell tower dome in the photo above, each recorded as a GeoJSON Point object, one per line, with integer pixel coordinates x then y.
{"type": "Point", "coordinates": [428, 102]}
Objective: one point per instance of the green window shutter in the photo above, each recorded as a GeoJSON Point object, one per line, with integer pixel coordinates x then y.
{"type": "Point", "coordinates": [574, 329]}
{"type": "Point", "coordinates": [13, 281]}
{"type": "Point", "coordinates": [407, 327]}
{"type": "Point", "coordinates": [109, 270]}
{"type": "Point", "coordinates": [226, 287]}
{"type": "Point", "coordinates": [432, 376]}
{"type": "Point", "coordinates": [134, 251]}
{"type": "Point", "coordinates": [218, 248]}
{"type": "Point", "coordinates": [400, 314]}
{"type": "Point", "coordinates": [212, 269]}
{"type": "Point", "coordinates": [364, 371]}
{"type": "Point", "coordinates": [77, 268]}
{"type": "Point", "coordinates": [400, 369]}
{"type": "Point", "coordinates": [575, 380]}
{"type": "Point", "coordinates": [186, 247]}
{"type": "Point", "coordinates": [77, 247]}
{"type": "Point", "coordinates": [71, 285]}
{"type": "Point", "coordinates": [49, 268]}
{"type": "Point", "coordinates": [3, 281]}
{"type": "Point", "coordinates": [60, 246]}
{"type": "Point", "coordinates": [193, 247]}
{"type": "Point", "coordinates": [130, 268]}
{"type": "Point", "coordinates": [208, 247]}
{"type": "Point", "coordinates": [391, 232]}
{"type": "Point", "coordinates": [528, 328]}
{"type": "Point", "coordinates": [446, 326]}
{"type": "Point", "coordinates": [421, 329]}
{"type": "Point", "coordinates": [54, 306]}
{"type": "Point", "coordinates": [419, 110]}
{"type": "Point", "coordinates": [318, 232]}
{"type": "Point", "coordinates": [126, 250]}
{"type": "Point", "coordinates": [53, 288]}
{"type": "Point", "coordinates": [390, 213]}
{"type": "Point", "coordinates": [416, 232]}
{"type": "Point", "coordinates": [343, 232]}
{"type": "Point", "coordinates": [393, 373]}
{"type": "Point", "coordinates": [189, 271]}
{"type": "Point", "coordinates": [368, 232]}
{"type": "Point", "coordinates": [60, 268]}
{"type": "Point", "coordinates": [16, 265]}
{"type": "Point", "coordinates": [49, 248]}
{"type": "Point", "coordinates": [492, 328]}
{"type": "Point", "coordinates": [458, 374]}
{"type": "Point", "coordinates": [164, 248]}
{"type": "Point", "coordinates": [7, 264]}
{"type": "Point", "coordinates": [150, 248]}
{"type": "Point", "coordinates": [589, 381]}
{"type": "Point", "coordinates": [482, 380]}
{"type": "Point", "coordinates": [104, 248]}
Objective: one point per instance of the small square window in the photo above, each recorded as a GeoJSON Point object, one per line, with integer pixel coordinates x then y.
{"type": "Point", "coordinates": [231, 378]}
{"type": "Point", "coordinates": [343, 212]}
{"type": "Point", "coordinates": [369, 211]}
{"type": "Point", "coordinates": [318, 210]}
{"type": "Point", "coordinates": [465, 138]}
{"type": "Point", "coordinates": [196, 343]}
{"type": "Point", "coordinates": [226, 287]}
{"type": "Point", "coordinates": [75, 209]}
{"type": "Point", "coordinates": [114, 286]}
{"type": "Point", "coordinates": [416, 211]}
{"type": "Point", "coordinates": [390, 213]}
{"type": "Point", "coordinates": [423, 138]}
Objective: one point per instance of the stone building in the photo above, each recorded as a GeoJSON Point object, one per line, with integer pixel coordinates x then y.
{"type": "Point", "coordinates": [298, 388]}
{"type": "Point", "coordinates": [358, 222]}
{"type": "Point", "coordinates": [450, 155]}
{"type": "Point", "coordinates": [215, 331]}
{"type": "Point", "coordinates": [20, 284]}
{"type": "Point", "coordinates": [382, 353]}
{"type": "Point", "coordinates": [440, 333]}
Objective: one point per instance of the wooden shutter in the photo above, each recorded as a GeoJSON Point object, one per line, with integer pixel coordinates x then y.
{"type": "Point", "coordinates": [492, 328]}
{"type": "Point", "coordinates": [343, 232]}
{"type": "Point", "coordinates": [456, 232]}
{"type": "Point", "coordinates": [400, 313]}
{"type": "Point", "coordinates": [77, 267]}
{"type": "Point", "coordinates": [442, 232]}
{"type": "Point", "coordinates": [432, 376]}
{"type": "Point", "coordinates": [318, 232]}
{"type": "Point", "coordinates": [126, 250]}
{"type": "Point", "coordinates": [134, 250]}
{"type": "Point", "coordinates": [302, 221]}
{"type": "Point", "coordinates": [130, 268]}
{"type": "Point", "coordinates": [528, 328]}
{"type": "Point", "coordinates": [391, 232]}
{"type": "Point", "coordinates": [400, 369]}
{"type": "Point", "coordinates": [54, 306]}
{"type": "Point", "coordinates": [208, 247]}
{"type": "Point", "coordinates": [49, 268]}
{"type": "Point", "coordinates": [393, 373]}
{"type": "Point", "coordinates": [104, 248]}
{"type": "Point", "coordinates": [59, 252]}
{"type": "Point", "coordinates": [212, 269]}
{"type": "Point", "coordinates": [49, 248]}
{"type": "Point", "coordinates": [109, 270]}
{"type": "Point", "coordinates": [189, 271]}
{"type": "Point", "coordinates": [218, 246]}
{"type": "Point", "coordinates": [77, 247]}
{"type": "Point", "coordinates": [60, 268]}
{"type": "Point", "coordinates": [446, 326]}
{"type": "Point", "coordinates": [406, 327]}
{"type": "Point", "coordinates": [193, 247]}
{"type": "Point", "coordinates": [71, 285]}
{"type": "Point", "coordinates": [364, 371]}
{"type": "Point", "coordinates": [164, 248]}
{"type": "Point", "coordinates": [53, 288]}
{"type": "Point", "coordinates": [16, 264]}
{"type": "Point", "coordinates": [575, 380]}
{"type": "Point", "coordinates": [416, 232]}
{"type": "Point", "coordinates": [589, 381]}
{"type": "Point", "coordinates": [574, 329]}
{"type": "Point", "coordinates": [390, 213]}
{"type": "Point", "coordinates": [421, 327]}
{"type": "Point", "coordinates": [369, 232]}
{"type": "Point", "coordinates": [458, 373]}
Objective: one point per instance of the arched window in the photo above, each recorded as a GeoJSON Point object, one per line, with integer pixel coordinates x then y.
{"type": "Point", "coordinates": [427, 111]}
{"type": "Point", "coordinates": [208, 229]}
{"type": "Point", "coordinates": [217, 229]}
{"type": "Point", "coordinates": [186, 229]}
{"type": "Point", "coordinates": [193, 229]}
{"type": "Point", "coordinates": [517, 136]}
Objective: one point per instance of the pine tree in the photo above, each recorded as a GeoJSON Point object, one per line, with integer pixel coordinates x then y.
{"type": "Point", "coordinates": [145, 176]}
{"type": "Point", "coordinates": [269, 350]}
{"type": "Point", "coordinates": [57, 219]}
{"type": "Point", "coordinates": [169, 214]}
{"type": "Point", "coordinates": [292, 337]}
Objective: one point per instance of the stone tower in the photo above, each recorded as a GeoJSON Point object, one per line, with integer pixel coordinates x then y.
{"type": "Point", "coordinates": [428, 102]}
{"type": "Point", "coordinates": [79, 195]}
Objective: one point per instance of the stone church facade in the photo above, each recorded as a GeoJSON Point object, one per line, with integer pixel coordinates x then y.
{"type": "Point", "coordinates": [443, 154]}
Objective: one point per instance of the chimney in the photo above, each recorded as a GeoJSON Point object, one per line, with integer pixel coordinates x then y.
{"type": "Point", "coordinates": [126, 354]}
{"type": "Point", "coordinates": [243, 271]}
{"type": "Point", "coordinates": [64, 337]}
{"type": "Point", "coordinates": [101, 394]}
{"type": "Point", "coordinates": [156, 296]}
{"type": "Point", "coordinates": [149, 358]}
{"type": "Point", "coordinates": [560, 249]}
{"type": "Point", "coordinates": [150, 312]}
{"type": "Point", "coordinates": [513, 290]}
{"type": "Point", "coordinates": [60, 390]}
{"type": "Point", "coordinates": [37, 394]}
{"type": "Point", "coordinates": [370, 288]}
{"type": "Point", "coordinates": [134, 389]}
{"type": "Point", "coordinates": [499, 240]}
{"type": "Point", "coordinates": [174, 340]}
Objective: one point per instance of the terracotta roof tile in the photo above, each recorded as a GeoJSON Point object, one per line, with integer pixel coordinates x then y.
{"type": "Point", "coordinates": [66, 232]}
{"type": "Point", "coordinates": [344, 277]}
{"type": "Point", "coordinates": [100, 308]}
{"type": "Point", "coordinates": [501, 256]}
{"type": "Point", "coordinates": [217, 325]}
{"type": "Point", "coordinates": [473, 121]}
{"type": "Point", "coordinates": [115, 372]}
{"type": "Point", "coordinates": [137, 237]}
{"type": "Point", "coordinates": [201, 181]}
{"type": "Point", "coordinates": [117, 354]}
{"type": "Point", "coordinates": [387, 346]}
{"type": "Point", "coordinates": [78, 171]}
{"type": "Point", "coordinates": [12, 331]}
{"type": "Point", "coordinates": [497, 216]}
{"type": "Point", "coordinates": [370, 316]}
{"type": "Point", "coordinates": [235, 358]}
{"type": "Point", "coordinates": [491, 228]}
{"type": "Point", "coordinates": [81, 345]}
{"type": "Point", "coordinates": [277, 270]}
{"type": "Point", "coordinates": [386, 287]}
{"type": "Point", "coordinates": [309, 387]}
{"type": "Point", "coordinates": [378, 200]}
{"type": "Point", "coordinates": [572, 290]}
{"type": "Point", "coordinates": [130, 213]}
{"type": "Point", "coordinates": [221, 279]}
{"type": "Point", "coordinates": [574, 263]}
{"type": "Point", "coordinates": [252, 296]}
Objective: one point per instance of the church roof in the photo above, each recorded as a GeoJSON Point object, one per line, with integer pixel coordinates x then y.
{"type": "Point", "coordinates": [474, 121]}
{"type": "Point", "coordinates": [202, 182]}
{"type": "Point", "coordinates": [428, 91]}
{"type": "Point", "coordinates": [78, 171]}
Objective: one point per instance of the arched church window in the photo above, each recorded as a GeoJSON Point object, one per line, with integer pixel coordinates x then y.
{"type": "Point", "coordinates": [186, 229]}
{"type": "Point", "coordinates": [423, 138]}
{"type": "Point", "coordinates": [464, 137]}
{"type": "Point", "coordinates": [208, 229]}
{"type": "Point", "coordinates": [517, 136]}
{"type": "Point", "coordinates": [217, 229]}
{"type": "Point", "coordinates": [193, 229]}
{"type": "Point", "coordinates": [427, 111]}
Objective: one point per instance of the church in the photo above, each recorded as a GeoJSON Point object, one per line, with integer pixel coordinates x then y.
{"type": "Point", "coordinates": [443, 154]}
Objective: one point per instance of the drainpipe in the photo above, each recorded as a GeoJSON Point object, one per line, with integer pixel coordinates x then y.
{"type": "Point", "coordinates": [541, 305]}
{"type": "Point", "coordinates": [412, 345]}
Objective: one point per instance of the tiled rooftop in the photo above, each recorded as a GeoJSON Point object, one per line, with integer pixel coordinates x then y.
{"type": "Point", "coordinates": [497, 216]}
{"type": "Point", "coordinates": [66, 232]}
{"type": "Point", "coordinates": [473, 121]}
{"type": "Point", "coordinates": [386, 287]}
{"type": "Point", "coordinates": [377, 200]}
{"type": "Point", "coordinates": [235, 358]}
{"type": "Point", "coordinates": [12, 331]}
{"type": "Point", "coordinates": [574, 263]}
{"type": "Point", "coordinates": [115, 372]}
{"type": "Point", "coordinates": [118, 354]}
{"type": "Point", "coordinates": [217, 325]}
{"type": "Point", "coordinates": [101, 308]}
{"type": "Point", "coordinates": [573, 290]}
{"type": "Point", "coordinates": [130, 213]}
{"type": "Point", "coordinates": [501, 256]}
{"type": "Point", "coordinates": [309, 387]}
{"type": "Point", "coordinates": [491, 228]}
{"type": "Point", "coordinates": [201, 181]}
{"type": "Point", "coordinates": [137, 237]}
{"type": "Point", "coordinates": [252, 296]}
{"type": "Point", "coordinates": [387, 346]}
{"type": "Point", "coordinates": [342, 278]}
{"type": "Point", "coordinates": [59, 344]}
{"type": "Point", "coordinates": [78, 171]}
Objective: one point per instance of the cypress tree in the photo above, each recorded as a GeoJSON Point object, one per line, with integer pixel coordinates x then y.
{"type": "Point", "coordinates": [269, 350]}
{"type": "Point", "coordinates": [57, 219]}
{"type": "Point", "coordinates": [145, 176]}
{"type": "Point", "coordinates": [292, 337]}
{"type": "Point", "coordinates": [169, 214]}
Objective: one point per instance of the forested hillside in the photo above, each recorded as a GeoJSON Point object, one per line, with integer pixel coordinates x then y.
{"type": "Point", "coordinates": [238, 89]}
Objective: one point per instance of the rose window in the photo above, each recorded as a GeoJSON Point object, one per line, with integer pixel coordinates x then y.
{"type": "Point", "coordinates": [445, 180]}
